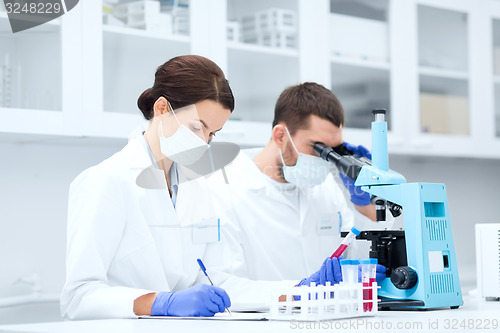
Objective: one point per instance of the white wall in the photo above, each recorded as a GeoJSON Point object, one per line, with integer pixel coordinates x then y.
{"type": "Point", "coordinates": [34, 180]}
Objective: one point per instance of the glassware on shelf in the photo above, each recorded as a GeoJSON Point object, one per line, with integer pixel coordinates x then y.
{"type": "Point", "coordinates": [163, 17]}
{"type": "Point", "coordinates": [273, 27]}
{"type": "Point", "coordinates": [6, 85]}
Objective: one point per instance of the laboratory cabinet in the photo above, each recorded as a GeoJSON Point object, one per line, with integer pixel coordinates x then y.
{"type": "Point", "coordinates": [434, 64]}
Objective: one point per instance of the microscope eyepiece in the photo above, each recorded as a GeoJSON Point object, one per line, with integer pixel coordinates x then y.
{"type": "Point", "coordinates": [349, 165]}
{"type": "Point", "coordinates": [379, 111]}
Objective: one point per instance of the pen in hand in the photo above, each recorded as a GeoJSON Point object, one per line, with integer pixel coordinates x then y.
{"type": "Point", "coordinates": [204, 270]}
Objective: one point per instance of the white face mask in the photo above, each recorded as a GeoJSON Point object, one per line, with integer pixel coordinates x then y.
{"type": "Point", "coordinates": [183, 147]}
{"type": "Point", "coordinates": [308, 171]}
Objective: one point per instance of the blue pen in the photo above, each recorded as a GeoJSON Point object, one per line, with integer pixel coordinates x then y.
{"type": "Point", "coordinates": [204, 270]}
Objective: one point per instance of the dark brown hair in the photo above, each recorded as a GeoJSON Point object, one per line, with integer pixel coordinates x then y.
{"type": "Point", "coordinates": [187, 80]}
{"type": "Point", "coordinates": [297, 103]}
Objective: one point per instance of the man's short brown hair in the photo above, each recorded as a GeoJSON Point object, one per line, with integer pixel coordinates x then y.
{"type": "Point", "coordinates": [297, 103]}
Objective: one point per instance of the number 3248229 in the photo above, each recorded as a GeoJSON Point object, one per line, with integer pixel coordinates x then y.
{"type": "Point", "coordinates": [471, 324]}
{"type": "Point", "coordinates": [33, 8]}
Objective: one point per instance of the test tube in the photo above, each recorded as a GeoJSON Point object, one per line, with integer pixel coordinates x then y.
{"type": "Point", "coordinates": [345, 267]}
{"type": "Point", "coordinates": [345, 243]}
{"type": "Point", "coordinates": [350, 277]}
{"type": "Point", "coordinates": [349, 270]}
{"type": "Point", "coordinates": [369, 272]}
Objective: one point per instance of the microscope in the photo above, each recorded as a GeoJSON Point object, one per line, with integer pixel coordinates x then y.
{"type": "Point", "coordinates": [422, 270]}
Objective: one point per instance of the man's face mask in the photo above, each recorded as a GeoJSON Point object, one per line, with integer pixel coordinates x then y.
{"type": "Point", "coordinates": [308, 171]}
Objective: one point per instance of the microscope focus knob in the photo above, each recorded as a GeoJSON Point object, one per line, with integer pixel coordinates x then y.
{"type": "Point", "coordinates": [404, 277]}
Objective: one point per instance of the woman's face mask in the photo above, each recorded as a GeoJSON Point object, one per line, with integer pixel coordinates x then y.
{"type": "Point", "coordinates": [183, 147]}
{"type": "Point", "coordinates": [308, 171]}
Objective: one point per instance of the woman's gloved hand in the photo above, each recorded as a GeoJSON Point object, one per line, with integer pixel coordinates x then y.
{"type": "Point", "coordinates": [358, 196]}
{"type": "Point", "coordinates": [329, 271]}
{"type": "Point", "coordinates": [201, 300]}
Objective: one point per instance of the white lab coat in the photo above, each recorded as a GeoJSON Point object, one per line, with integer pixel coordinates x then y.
{"type": "Point", "coordinates": [125, 240]}
{"type": "Point", "coordinates": [276, 231]}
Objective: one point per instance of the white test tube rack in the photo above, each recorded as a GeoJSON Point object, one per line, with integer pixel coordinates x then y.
{"type": "Point", "coordinates": [318, 303]}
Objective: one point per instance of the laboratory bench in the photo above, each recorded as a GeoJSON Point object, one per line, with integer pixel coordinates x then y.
{"type": "Point", "coordinates": [475, 315]}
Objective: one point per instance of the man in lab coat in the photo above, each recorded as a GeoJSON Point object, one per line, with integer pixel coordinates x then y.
{"type": "Point", "coordinates": [287, 210]}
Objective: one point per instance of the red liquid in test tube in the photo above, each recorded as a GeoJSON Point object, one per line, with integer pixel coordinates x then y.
{"type": "Point", "coordinates": [345, 243]}
{"type": "Point", "coordinates": [368, 295]}
{"type": "Point", "coordinates": [369, 271]}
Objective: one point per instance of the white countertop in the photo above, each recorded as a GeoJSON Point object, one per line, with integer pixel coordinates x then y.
{"type": "Point", "coordinates": [474, 315]}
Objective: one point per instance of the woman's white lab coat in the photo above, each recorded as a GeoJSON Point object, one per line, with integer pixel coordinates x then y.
{"type": "Point", "coordinates": [125, 240]}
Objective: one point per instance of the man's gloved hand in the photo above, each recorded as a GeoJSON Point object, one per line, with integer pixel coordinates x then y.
{"type": "Point", "coordinates": [358, 196]}
{"type": "Point", "coordinates": [380, 273]}
{"type": "Point", "coordinates": [329, 271]}
{"type": "Point", "coordinates": [360, 150]}
{"type": "Point", "coordinates": [201, 300]}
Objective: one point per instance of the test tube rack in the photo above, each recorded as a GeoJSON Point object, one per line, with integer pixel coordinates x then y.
{"type": "Point", "coordinates": [319, 303]}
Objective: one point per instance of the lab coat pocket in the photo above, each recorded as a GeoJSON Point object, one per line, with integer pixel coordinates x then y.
{"type": "Point", "coordinates": [206, 231]}
{"type": "Point", "coordinates": [328, 224]}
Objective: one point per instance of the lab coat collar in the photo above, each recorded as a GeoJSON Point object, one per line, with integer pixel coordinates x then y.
{"type": "Point", "coordinates": [136, 156]}
{"type": "Point", "coordinates": [139, 161]}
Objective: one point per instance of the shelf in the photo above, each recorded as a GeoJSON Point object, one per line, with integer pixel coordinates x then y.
{"type": "Point", "coordinates": [126, 31]}
{"type": "Point", "coordinates": [444, 85]}
{"type": "Point", "coordinates": [35, 126]}
{"type": "Point", "coordinates": [255, 88]}
{"type": "Point", "coordinates": [442, 38]}
{"type": "Point", "coordinates": [105, 125]}
{"type": "Point", "coordinates": [67, 139]}
{"type": "Point", "coordinates": [360, 62]}
{"type": "Point", "coordinates": [32, 85]}
{"type": "Point", "coordinates": [372, 33]}
{"type": "Point", "coordinates": [122, 47]}
{"type": "Point", "coordinates": [239, 47]}
{"type": "Point", "coordinates": [427, 144]}
{"type": "Point", "coordinates": [443, 73]}
{"type": "Point", "coordinates": [360, 89]}
{"type": "Point", "coordinates": [32, 121]}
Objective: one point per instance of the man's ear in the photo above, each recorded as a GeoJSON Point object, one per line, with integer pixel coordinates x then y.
{"type": "Point", "coordinates": [278, 135]}
{"type": "Point", "coordinates": [161, 106]}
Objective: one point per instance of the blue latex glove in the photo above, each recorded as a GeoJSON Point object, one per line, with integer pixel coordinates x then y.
{"type": "Point", "coordinates": [360, 150]}
{"type": "Point", "coordinates": [380, 273]}
{"type": "Point", "coordinates": [358, 196]}
{"type": "Point", "coordinates": [201, 300]}
{"type": "Point", "coordinates": [329, 271]}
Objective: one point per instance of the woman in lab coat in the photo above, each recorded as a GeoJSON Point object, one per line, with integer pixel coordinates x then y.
{"type": "Point", "coordinates": [130, 220]}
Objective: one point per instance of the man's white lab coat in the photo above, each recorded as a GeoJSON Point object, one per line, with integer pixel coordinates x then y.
{"type": "Point", "coordinates": [277, 231]}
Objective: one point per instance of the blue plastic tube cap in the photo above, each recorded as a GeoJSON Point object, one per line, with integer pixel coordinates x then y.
{"type": "Point", "coordinates": [354, 262]}
{"type": "Point", "coordinates": [344, 262]}
{"type": "Point", "coordinates": [355, 231]}
{"type": "Point", "coordinates": [373, 261]}
{"type": "Point", "coordinates": [366, 261]}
